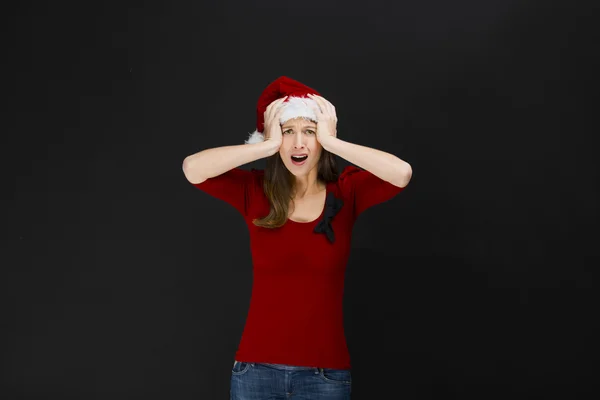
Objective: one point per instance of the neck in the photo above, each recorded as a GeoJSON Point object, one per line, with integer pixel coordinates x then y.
{"type": "Point", "coordinates": [308, 185]}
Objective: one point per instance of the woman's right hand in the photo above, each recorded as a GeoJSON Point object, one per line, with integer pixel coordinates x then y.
{"type": "Point", "coordinates": [272, 131]}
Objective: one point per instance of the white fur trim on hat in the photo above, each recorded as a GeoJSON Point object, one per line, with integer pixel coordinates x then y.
{"type": "Point", "coordinates": [294, 107]}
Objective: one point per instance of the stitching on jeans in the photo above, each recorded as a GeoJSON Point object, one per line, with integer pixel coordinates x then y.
{"type": "Point", "coordinates": [322, 375]}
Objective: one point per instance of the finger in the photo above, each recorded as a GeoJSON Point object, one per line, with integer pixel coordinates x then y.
{"type": "Point", "coordinates": [280, 109]}
{"type": "Point", "coordinates": [316, 109]}
{"type": "Point", "coordinates": [274, 111]}
{"type": "Point", "coordinates": [331, 107]}
{"type": "Point", "coordinates": [332, 110]}
{"type": "Point", "coordinates": [322, 104]}
{"type": "Point", "coordinates": [275, 105]}
{"type": "Point", "coordinates": [277, 115]}
{"type": "Point", "coordinates": [326, 104]}
{"type": "Point", "coordinates": [268, 111]}
{"type": "Point", "coordinates": [319, 108]}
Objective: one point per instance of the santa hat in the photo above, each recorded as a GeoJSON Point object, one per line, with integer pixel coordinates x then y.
{"type": "Point", "coordinates": [296, 105]}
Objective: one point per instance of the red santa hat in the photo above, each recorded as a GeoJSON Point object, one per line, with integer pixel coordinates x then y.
{"type": "Point", "coordinates": [296, 105]}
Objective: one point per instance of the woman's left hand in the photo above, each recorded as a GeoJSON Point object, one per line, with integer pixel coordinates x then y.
{"type": "Point", "coordinates": [326, 119]}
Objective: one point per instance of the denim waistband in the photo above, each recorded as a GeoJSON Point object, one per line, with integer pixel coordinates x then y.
{"type": "Point", "coordinates": [285, 367]}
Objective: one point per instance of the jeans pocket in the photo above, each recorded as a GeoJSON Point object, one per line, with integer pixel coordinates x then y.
{"type": "Point", "coordinates": [239, 367]}
{"type": "Point", "coordinates": [339, 376]}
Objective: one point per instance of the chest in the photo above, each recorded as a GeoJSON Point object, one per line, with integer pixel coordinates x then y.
{"type": "Point", "coordinates": [296, 246]}
{"type": "Point", "coordinates": [308, 208]}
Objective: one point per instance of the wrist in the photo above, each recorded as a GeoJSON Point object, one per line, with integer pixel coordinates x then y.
{"type": "Point", "coordinates": [327, 142]}
{"type": "Point", "coordinates": [267, 148]}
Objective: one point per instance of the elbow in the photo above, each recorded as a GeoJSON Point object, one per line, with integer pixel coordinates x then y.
{"type": "Point", "coordinates": [188, 172]}
{"type": "Point", "coordinates": [404, 176]}
{"type": "Point", "coordinates": [185, 166]}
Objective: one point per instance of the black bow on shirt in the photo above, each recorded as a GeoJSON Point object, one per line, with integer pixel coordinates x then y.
{"type": "Point", "coordinates": [332, 206]}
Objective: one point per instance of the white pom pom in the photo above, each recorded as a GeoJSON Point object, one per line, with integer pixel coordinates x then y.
{"type": "Point", "coordinates": [255, 137]}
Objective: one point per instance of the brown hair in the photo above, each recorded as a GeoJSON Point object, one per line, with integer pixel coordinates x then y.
{"type": "Point", "coordinates": [278, 186]}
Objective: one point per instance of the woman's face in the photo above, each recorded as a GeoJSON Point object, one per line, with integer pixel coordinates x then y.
{"type": "Point", "coordinates": [300, 137]}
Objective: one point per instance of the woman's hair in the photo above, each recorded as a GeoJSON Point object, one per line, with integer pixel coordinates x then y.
{"type": "Point", "coordinates": [279, 186]}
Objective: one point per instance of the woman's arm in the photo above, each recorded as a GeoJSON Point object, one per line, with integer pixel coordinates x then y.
{"type": "Point", "coordinates": [384, 165]}
{"type": "Point", "coordinates": [218, 160]}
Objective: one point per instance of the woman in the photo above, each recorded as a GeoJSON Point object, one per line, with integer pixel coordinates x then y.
{"type": "Point", "coordinates": [300, 212]}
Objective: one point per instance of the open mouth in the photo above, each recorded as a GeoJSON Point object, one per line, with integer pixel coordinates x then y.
{"type": "Point", "coordinates": [299, 160]}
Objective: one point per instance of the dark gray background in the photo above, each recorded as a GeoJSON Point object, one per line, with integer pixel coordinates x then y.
{"type": "Point", "coordinates": [120, 280]}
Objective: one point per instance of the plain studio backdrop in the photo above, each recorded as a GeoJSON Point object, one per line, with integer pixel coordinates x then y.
{"type": "Point", "coordinates": [120, 280]}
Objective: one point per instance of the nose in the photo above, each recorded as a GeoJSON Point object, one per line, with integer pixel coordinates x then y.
{"type": "Point", "coordinates": [299, 141]}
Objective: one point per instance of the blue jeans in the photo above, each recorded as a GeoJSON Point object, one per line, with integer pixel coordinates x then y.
{"type": "Point", "coordinates": [264, 381]}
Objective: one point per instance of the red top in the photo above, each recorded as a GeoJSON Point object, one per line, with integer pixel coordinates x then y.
{"type": "Point", "coordinates": [295, 314]}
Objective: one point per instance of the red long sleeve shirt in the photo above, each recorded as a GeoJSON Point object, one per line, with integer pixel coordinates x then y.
{"type": "Point", "coordinates": [295, 314]}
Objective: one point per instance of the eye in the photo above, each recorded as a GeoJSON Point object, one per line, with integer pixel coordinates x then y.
{"type": "Point", "coordinates": [286, 131]}
{"type": "Point", "coordinates": [310, 131]}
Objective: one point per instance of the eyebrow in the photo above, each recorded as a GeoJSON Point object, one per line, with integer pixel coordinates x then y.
{"type": "Point", "coordinates": [305, 126]}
